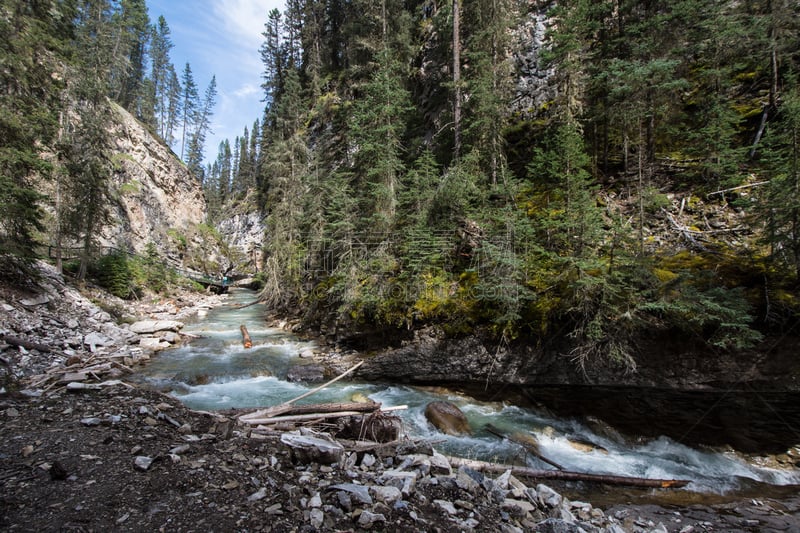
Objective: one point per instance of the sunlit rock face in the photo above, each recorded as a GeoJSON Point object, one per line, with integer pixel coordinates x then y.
{"type": "Point", "coordinates": [535, 82]}
{"type": "Point", "coordinates": [246, 232]}
{"type": "Point", "coordinates": [156, 199]}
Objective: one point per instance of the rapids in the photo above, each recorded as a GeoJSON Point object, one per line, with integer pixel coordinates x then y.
{"type": "Point", "coordinates": [216, 372]}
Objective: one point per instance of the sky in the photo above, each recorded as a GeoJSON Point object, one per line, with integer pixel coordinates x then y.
{"type": "Point", "coordinates": [222, 38]}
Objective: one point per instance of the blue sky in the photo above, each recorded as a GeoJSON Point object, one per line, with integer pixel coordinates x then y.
{"type": "Point", "coordinates": [222, 38]}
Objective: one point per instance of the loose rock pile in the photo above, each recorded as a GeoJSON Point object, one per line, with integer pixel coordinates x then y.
{"type": "Point", "coordinates": [58, 337]}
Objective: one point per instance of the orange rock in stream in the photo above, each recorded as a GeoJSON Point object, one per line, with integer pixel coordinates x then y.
{"type": "Point", "coordinates": [447, 418]}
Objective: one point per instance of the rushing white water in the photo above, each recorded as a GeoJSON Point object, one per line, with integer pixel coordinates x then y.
{"type": "Point", "coordinates": [216, 372]}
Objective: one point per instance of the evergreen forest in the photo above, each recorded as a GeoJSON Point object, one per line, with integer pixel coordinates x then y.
{"type": "Point", "coordinates": [584, 172]}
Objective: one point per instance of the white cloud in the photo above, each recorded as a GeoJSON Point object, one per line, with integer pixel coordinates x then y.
{"type": "Point", "coordinates": [246, 90]}
{"type": "Point", "coordinates": [245, 19]}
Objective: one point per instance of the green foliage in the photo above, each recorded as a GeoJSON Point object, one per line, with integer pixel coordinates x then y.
{"type": "Point", "coordinates": [115, 273]}
{"type": "Point", "coordinates": [720, 316]}
{"type": "Point", "coordinates": [29, 108]}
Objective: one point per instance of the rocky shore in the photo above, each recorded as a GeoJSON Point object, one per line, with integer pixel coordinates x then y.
{"type": "Point", "coordinates": [81, 449]}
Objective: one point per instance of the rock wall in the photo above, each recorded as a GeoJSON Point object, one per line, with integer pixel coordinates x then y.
{"type": "Point", "coordinates": [154, 191]}
{"type": "Point", "coordinates": [534, 81]}
{"type": "Point", "coordinates": [246, 232]}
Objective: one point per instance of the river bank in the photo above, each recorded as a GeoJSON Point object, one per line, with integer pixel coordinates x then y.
{"type": "Point", "coordinates": [133, 459]}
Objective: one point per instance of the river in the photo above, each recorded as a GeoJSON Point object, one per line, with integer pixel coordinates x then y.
{"type": "Point", "coordinates": [216, 372]}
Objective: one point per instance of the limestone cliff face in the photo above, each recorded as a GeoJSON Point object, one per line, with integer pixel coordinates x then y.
{"type": "Point", "coordinates": [154, 193]}
{"type": "Point", "coordinates": [245, 231]}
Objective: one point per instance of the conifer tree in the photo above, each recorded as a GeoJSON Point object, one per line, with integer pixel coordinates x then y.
{"type": "Point", "coordinates": [29, 112]}
{"type": "Point", "coordinates": [160, 47]}
{"type": "Point", "coordinates": [202, 125]}
{"type": "Point", "coordinates": [189, 104]}
{"type": "Point", "coordinates": [84, 144]}
{"type": "Point", "coordinates": [132, 27]}
{"type": "Point", "coordinates": [781, 159]}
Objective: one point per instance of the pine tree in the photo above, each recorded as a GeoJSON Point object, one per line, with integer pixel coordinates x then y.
{"type": "Point", "coordinates": [781, 159]}
{"type": "Point", "coordinates": [273, 56]}
{"type": "Point", "coordinates": [84, 145]}
{"type": "Point", "coordinates": [377, 128]}
{"type": "Point", "coordinates": [160, 47]}
{"type": "Point", "coordinates": [285, 163]}
{"type": "Point", "coordinates": [488, 82]}
{"type": "Point", "coordinates": [189, 104]}
{"type": "Point", "coordinates": [32, 33]}
{"type": "Point", "coordinates": [173, 106]}
{"type": "Point", "coordinates": [202, 125]}
{"type": "Point", "coordinates": [132, 29]}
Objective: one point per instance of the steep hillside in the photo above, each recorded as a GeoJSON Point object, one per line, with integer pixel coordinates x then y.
{"type": "Point", "coordinates": [156, 198]}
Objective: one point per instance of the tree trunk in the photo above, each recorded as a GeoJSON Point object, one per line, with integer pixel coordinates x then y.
{"type": "Point", "coordinates": [456, 80]}
{"type": "Point", "coordinates": [246, 341]}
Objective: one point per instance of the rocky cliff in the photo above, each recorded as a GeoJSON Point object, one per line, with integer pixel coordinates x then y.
{"type": "Point", "coordinates": [156, 198]}
{"type": "Point", "coordinates": [245, 231]}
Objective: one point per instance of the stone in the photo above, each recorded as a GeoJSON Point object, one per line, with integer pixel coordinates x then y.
{"type": "Point", "coordinates": [307, 449]}
{"type": "Point", "coordinates": [466, 481]}
{"type": "Point", "coordinates": [554, 525]}
{"type": "Point", "coordinates": [306, 374]}
{"type": "Point", "coordinates": [386, 494]}
{"type": "Point", "coordinates": [36, 301]}
{"type": "Point", "coordinates": [360, 492]}
{"type": "Point", "coordinates": [316, 518]}
{"type": "Point", "coordinates": [440, 466]}
{"type": "Point", "coordinates": [447, 418]}
{"type": "Point", "coordinates": [315, 501]}
{"type": "Point", "coordinates": [518, 507]}
{"type": "Point", "coordinates": [153, 343]}
{"type": "Point", "coordinates": [260, 494]}
{"type": "Point", "coordinates": [548, 497]}
{"type": "Point", "coordinates": [142, 463]}
{"type": "Point", "coordinates": [405, 481]}
{"type": "Point", "coordinates": [446, 506]}
{"type": "Point", "coordinates": [169, 336]}
{"type": "Point", "coordinates": [148, 327]}
{"type": "Point", "coordinates": [366, 519]}
{"type": "Point", "coordinates": [94, 339]}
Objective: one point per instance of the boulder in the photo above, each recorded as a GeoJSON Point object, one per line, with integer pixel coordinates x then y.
{"type": "Point", "coordinates": [148, 327]}
{"type": "Point", "coordinates": [306, 449]}
{"type": "Point", "coordinates": [306, 373]}
{"type": "Point", "coordinates": [447, 418]}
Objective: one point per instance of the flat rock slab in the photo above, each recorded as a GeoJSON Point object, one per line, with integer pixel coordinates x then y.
{"type": "Point", "coordinates": [145, 327]}
{"type": "Point", "coordinates": [306, 449]}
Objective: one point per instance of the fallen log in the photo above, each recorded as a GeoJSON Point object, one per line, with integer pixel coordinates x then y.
{"type": "Point", "coordinates": [301, 418]}
{"type": "Point", "coordinates": [531, 446]}
{"type": "Point", "coordinates": [28, 345]}
{"type": "Point", "coordinates": [566, 475]}
{"type": "Point", "coordinates": [334, 407]}
{"type": "Point", "coordinates": [246, 341]}
{"type": "Point", "coordinates": [308, 412]}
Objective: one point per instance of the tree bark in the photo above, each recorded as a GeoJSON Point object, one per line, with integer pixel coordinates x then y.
{"type": "Point", "coordinates": [246, 340]}
{"type": "Point", "coordinates": [28, 345]}
{"type": "Point", "coordinates": [456, 80]}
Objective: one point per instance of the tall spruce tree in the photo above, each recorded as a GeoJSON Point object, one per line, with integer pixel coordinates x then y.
{"type": "Point", "coordinates": [189, 104]}
{"type": "Point", "coordinates": [29, 81]}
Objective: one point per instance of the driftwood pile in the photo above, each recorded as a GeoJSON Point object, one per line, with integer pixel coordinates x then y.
{"type": "Point", "coordinates": [350, 420]}
{"type": "Point", "coordinates": [97, 371]}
